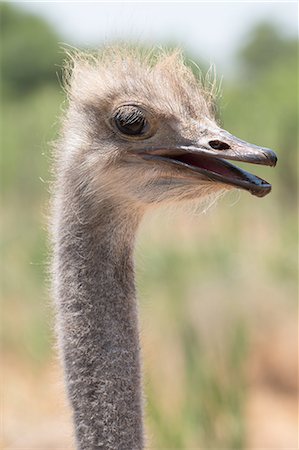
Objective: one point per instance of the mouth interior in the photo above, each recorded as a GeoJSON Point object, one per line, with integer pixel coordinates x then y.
{"type": "Point", "coordinates": [214, 165]}
{"type": "Point", "coordinates": [221, 170]}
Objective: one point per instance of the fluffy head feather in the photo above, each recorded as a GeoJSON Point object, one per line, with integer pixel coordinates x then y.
{"type": "Point", "coordinates": [179, 106]}
{"type": "Point", "coordinates": [159, 77]}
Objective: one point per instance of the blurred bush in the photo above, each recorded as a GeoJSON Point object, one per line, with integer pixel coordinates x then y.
{"type": "Point", "coordinates": [29, 55]}
{"type": "Point", "coordinates": [264, 95]}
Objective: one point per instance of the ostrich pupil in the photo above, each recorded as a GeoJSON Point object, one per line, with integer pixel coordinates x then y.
{"type": "Point", "coordinates": [130, 121]}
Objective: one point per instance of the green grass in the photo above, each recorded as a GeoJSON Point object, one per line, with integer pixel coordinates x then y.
{"type": "Point", "coordinates": [205, 285]}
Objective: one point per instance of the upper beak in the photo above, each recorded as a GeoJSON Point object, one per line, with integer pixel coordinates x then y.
{"type": "Point", "coordinates": [224, 145]}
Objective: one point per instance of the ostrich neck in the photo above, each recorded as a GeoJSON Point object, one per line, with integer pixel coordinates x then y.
{"type": "Point", "coordinates": [98, 322]}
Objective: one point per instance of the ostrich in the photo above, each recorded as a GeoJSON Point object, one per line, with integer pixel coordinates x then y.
{"type": "Point", "coordinates": [137, 133]}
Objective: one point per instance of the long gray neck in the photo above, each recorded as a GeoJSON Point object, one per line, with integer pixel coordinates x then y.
{"type": "Point", "coordinates": [98, 322]}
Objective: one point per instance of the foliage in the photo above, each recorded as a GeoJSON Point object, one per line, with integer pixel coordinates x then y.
{"type": "Point", "coordinates": [266, 49]}
{"type": "Point", "coordinates": [30, 54]}
{"type": "Point", "coordinates": [266, 98]}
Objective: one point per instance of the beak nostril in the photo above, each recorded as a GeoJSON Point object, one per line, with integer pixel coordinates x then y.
{"type": "Point", "coordinates": [219, 145]}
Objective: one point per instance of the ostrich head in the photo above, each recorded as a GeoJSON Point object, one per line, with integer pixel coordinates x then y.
{"type": "Point", "coordinates": [146, 131]}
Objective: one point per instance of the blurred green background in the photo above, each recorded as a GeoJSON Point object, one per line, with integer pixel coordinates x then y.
{"type": "Point", "coordinates": [218, 291]}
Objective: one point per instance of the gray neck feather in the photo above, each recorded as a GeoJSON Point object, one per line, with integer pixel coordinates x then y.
{"type": "Point", "coordinates": [97, 319]}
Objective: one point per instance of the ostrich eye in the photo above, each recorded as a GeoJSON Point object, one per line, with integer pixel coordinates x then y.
{"type": "Point", "coordinates": [131, 121]}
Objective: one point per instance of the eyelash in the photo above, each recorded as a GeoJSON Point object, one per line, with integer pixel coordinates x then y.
{"type": "Point", "coordinates": [130, 116]}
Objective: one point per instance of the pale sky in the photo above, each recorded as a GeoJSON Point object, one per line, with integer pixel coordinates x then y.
{"type": "Point", "coordinates": [212, 30]}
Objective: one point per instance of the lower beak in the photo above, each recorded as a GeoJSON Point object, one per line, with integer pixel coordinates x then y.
{"type": "Point", "coordinates": [208, 156]}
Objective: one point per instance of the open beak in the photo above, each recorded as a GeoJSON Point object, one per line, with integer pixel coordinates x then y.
{"type": "Point", "coordinates": [209, 156]}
